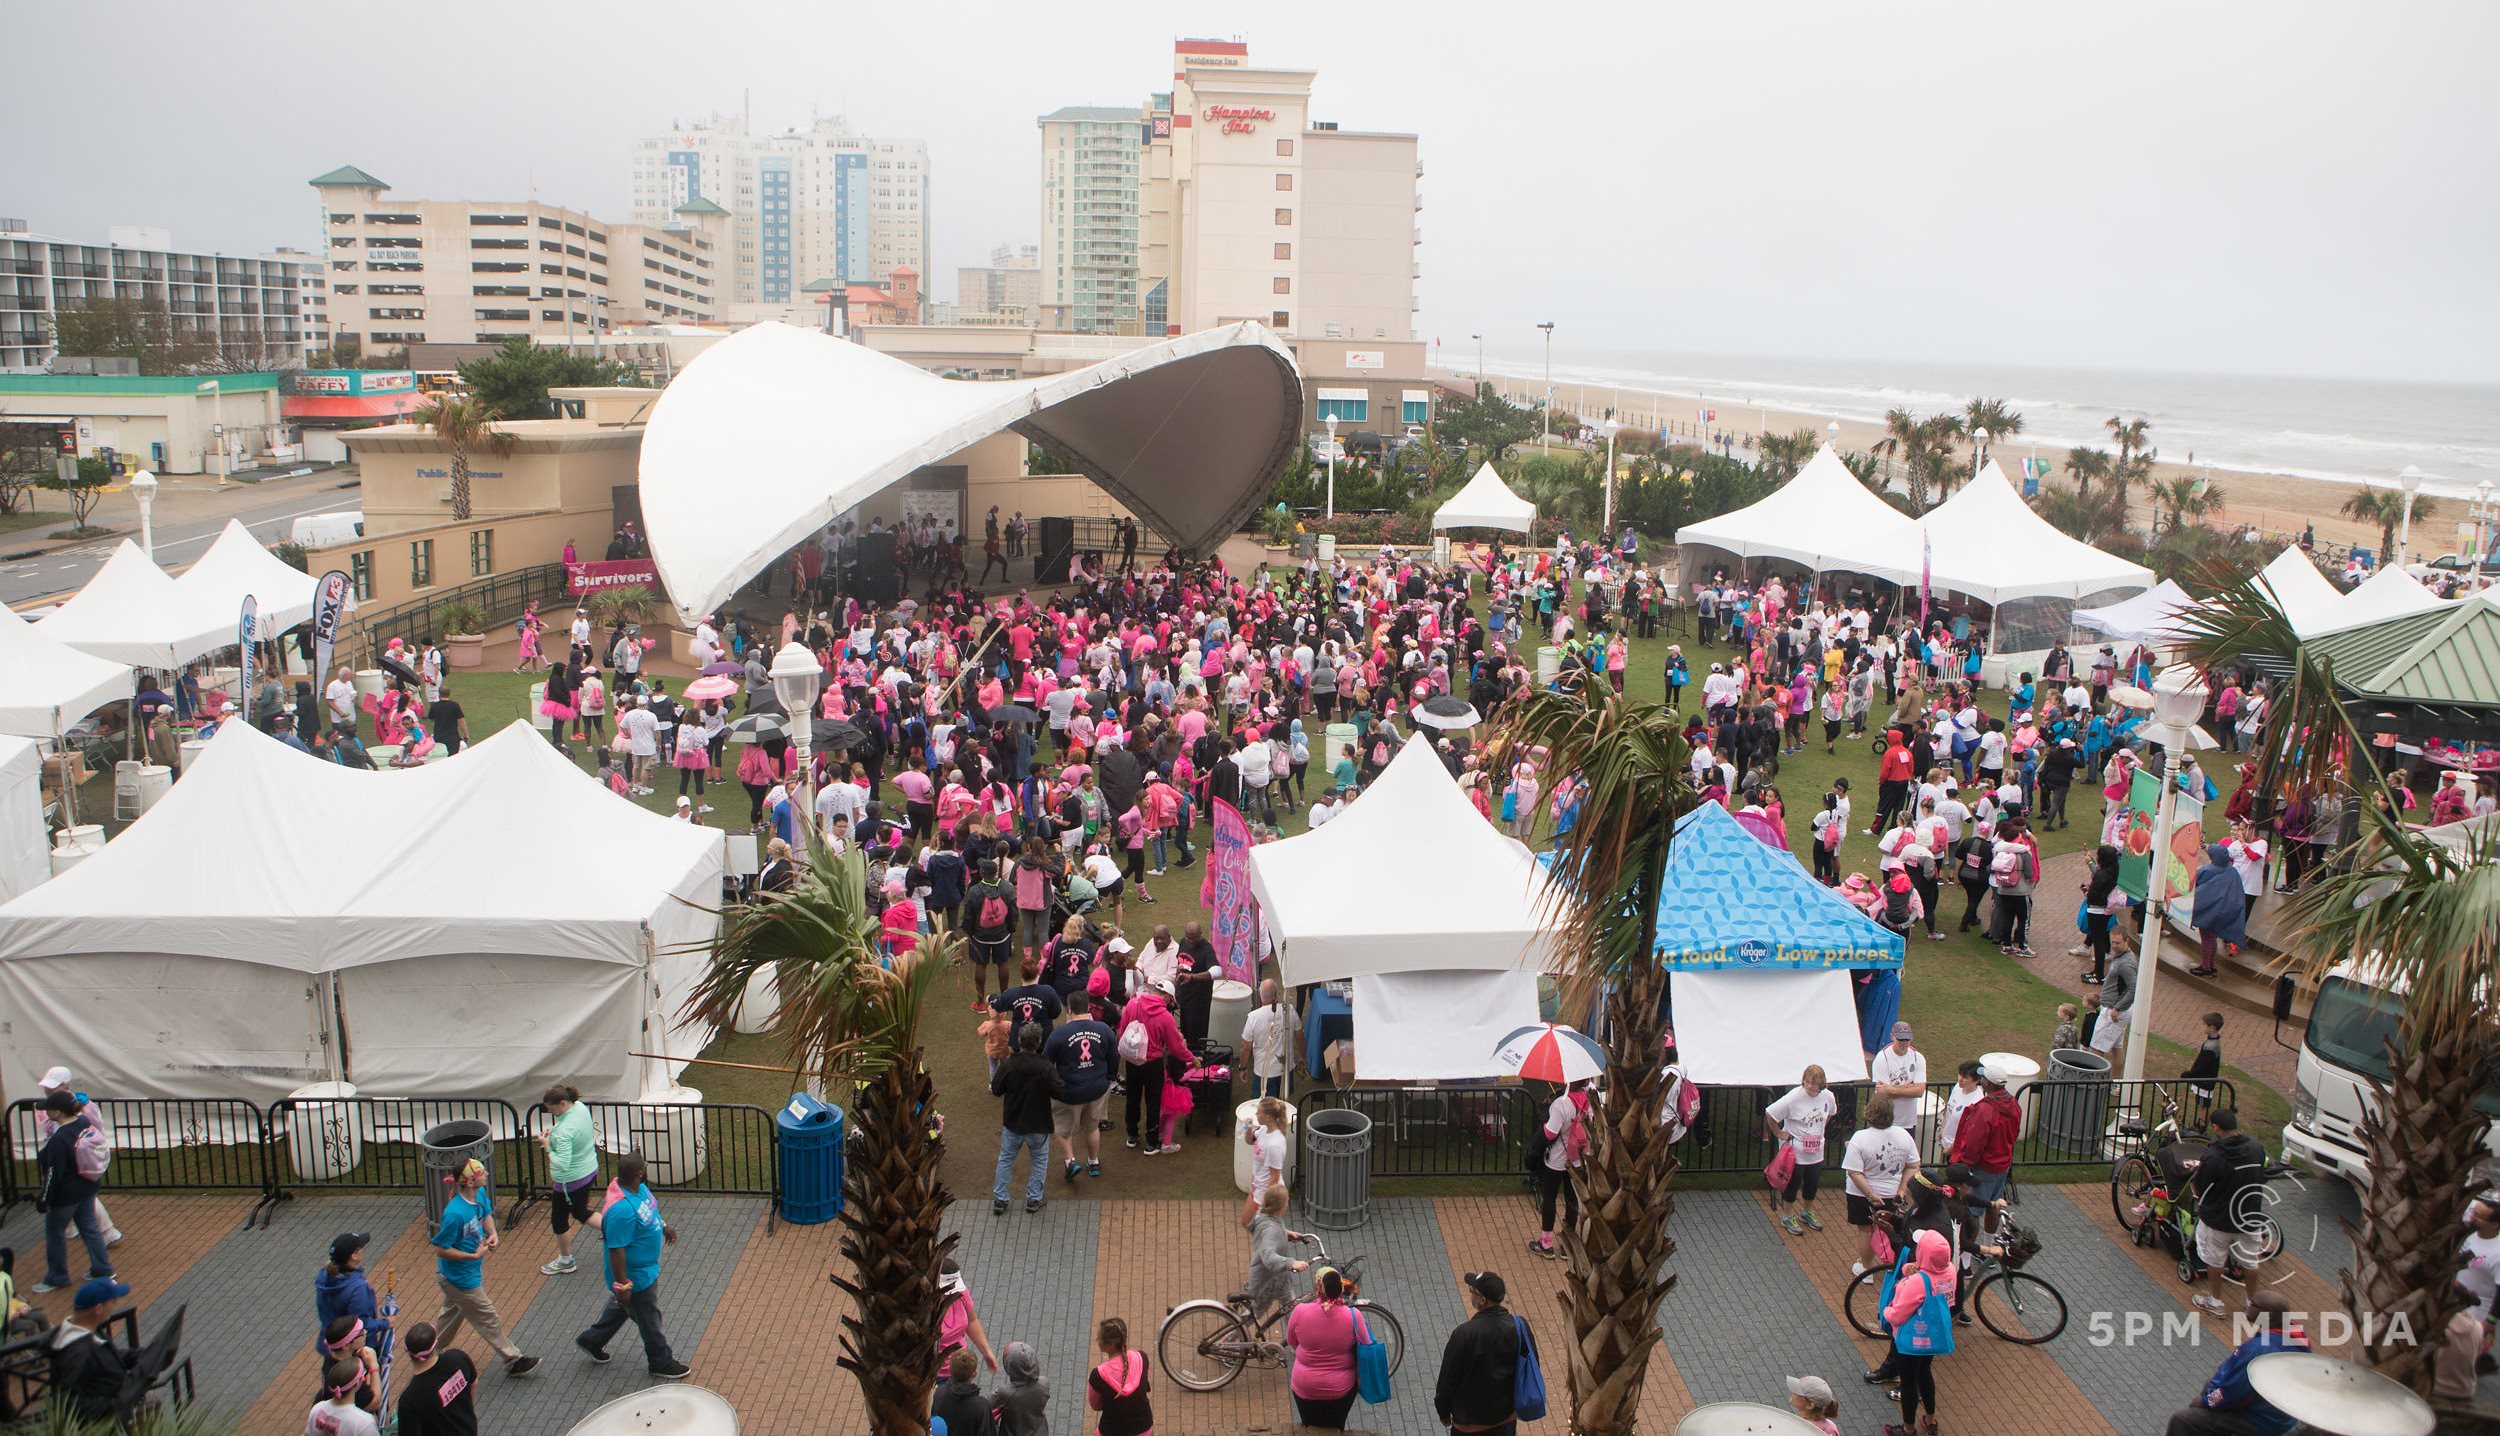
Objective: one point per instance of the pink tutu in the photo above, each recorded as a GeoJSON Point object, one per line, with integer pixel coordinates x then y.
{"type": "Point", "coordinates": [692, 758]}
{"type": "Point", "coordinates": [553, 709]}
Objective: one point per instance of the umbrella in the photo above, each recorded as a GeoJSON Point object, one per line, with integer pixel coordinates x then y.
{"type": "Point", "coordinates": [1013, 713]}
{"type": "Point", "coordinates": [398, 668]}
{"type": "Point", "coordinates": [834, 733]}
{"type": "Point", "coordinates": [725, 670]}
{"type": "Point", "coordinates": [755, 728]}
{"type": "Point", "coordinates": [1550, 1052]}
{"type": "Point", "coordinates": [705, 689]}
{"type": "Point", "coordinates": [1445, 712]}
{"type": "Point", "coordinates": [382, 1341]}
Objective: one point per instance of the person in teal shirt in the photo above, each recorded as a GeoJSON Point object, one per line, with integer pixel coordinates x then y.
{"type": "Point", "coordinates": [572, 1169]}
{"type": "Point", "coordinates": [463, 1239]}
{"type": "Point", "coordinates": [635, 1234]}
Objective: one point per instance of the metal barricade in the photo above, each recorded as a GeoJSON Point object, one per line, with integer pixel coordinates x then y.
{"type": "Point", "coordinates": [1445, 1131]}
{"type": "Point", "coordinates": [724, 1149]}
{"type": "Point", "coordinates": [370, 1143]}
{"type": "Point", "coordinates": [159, 1144]}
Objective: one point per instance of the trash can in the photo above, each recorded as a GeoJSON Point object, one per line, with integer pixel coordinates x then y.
{"type": "Point", "coordinates": [811, 1160]}
{"type": "Point", "coordinates": [2074, 1101]}
{"type": "Point", "coordinates": [442, 1152]}
{"type": "Point", "coordinates": [1337, 1183]}
{"type": "Point", "coordinates": [1327, 548]}
{"type": "Point", "coordinates": [1306, 545]}
{"type": "Point", "coordinates": [325, 1133]}
{"type": "Point", "coordinates": [1227, 1012]}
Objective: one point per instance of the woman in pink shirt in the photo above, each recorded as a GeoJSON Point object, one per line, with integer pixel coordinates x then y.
{"type": "Point", "coordinates": [1322, 1334]}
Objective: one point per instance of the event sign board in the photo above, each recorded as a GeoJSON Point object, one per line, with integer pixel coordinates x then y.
{"type": "Point", "coordinates": [582, 578]}
{"type": "Point", "coordinates": [329, 601]}
{"type": "Point", "coordinates": [2134, 840]}
{"type": "Point", "coordinates": [243, 640]}
{"type": "Point", "coordinates": [1748, 954]}
{"type": "Point", "coordinates": [1233, 913]}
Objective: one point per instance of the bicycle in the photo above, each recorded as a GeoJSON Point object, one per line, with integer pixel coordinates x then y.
{"type": "Point", "coordinates": [2152, 1192]}
{"type": "Point", "coordinates": [1205, 1343]}
{"type": "Point", "coordinates": [2014, 1304]}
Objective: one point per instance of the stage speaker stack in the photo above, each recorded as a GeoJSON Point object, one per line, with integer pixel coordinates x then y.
{"type": "Point", "coordinates": [878, 580]}
{"type": "Point", "coordinates": [1056, 548]}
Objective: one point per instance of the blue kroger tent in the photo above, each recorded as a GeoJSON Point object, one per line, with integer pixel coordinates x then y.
{"type": "Point", "coordinates": [1734, 902]}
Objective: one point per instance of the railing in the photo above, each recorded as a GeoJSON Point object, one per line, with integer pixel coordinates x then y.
{"type": "Point", "coordinates": [499, 596]}
{"type": "Point", "coordinates": [195, 1143]}
{"type": "Point", "coordinates": [1478, 1131]}
{"type": "Point", "coordinates": [372, 1143]}
{"type": "Point", "coordinates": [708, 1149]}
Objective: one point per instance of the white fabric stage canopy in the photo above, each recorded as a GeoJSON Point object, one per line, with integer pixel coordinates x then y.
{"type": "Point", "coordinates": [1760, 1028]}
{"type": "Point", "coordinates": [1410, 878]}
{"type": "Point", "coordinates": [25, 853]}
{"type": "Point", "coordinates": [236, 565]}
{"type": "Point", "coordinates": [1437, 1026]}
{"type": "Point", "coordinates": [1823, 518]}
{"type": "Point", "coordinates": [131, 613]}
{"type": "Point", "coordinates": [45, 687]}
{"type": "Point", "coordinates": [2389, 593]}
{"type": "Point", "coordinates": [1486, 503]}
{"type": "Point", "coordinates": [2150, 617]}
{"type": "Point", "coordinates": [469, 955]}
{"type": "Point", "coordinates": [772, 432]}
{"type": "Point", "coordinates": [2304, 595]}
{"type": "Point", "coordinates": [1989, 544]}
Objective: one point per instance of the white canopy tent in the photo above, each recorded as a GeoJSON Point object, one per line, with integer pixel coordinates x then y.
{"type": "Point", "coordinates": [272, 901]}
{"type": "Point", "coordinates": [2304, 595]}
{"type": "Point", "coordinates": [2150, 617]}
{"type": "Point", "coordinates": [1824, 519]}
{"type": "Point", "coordinates": [1437, 919]}
{"type": "Point", "coordinates": [1989, 544]}
{"type": "Point", "coordinates": [2389, 593]}
{"type": "Point", "coordinates": [236, 565]}
{"type": "Point", "coordinates": [25, 852]}
{"type": "Point", "coordinates": [1486, 503]}
{"type": "Point", "coordinates": [130, 613]}
{"type": "Point", "coordinates": [1740, 1028]}
{"type": "Point", "coordinates": [770, 433]}
{"type": "Point", "coordinates": [45, 686]}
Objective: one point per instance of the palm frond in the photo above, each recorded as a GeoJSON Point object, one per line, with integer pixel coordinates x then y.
{"type": "Point", "coordinates": [1631, 761]}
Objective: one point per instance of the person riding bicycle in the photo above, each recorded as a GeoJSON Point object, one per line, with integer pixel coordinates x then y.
{"type": "Point", "coordinates": [1271, 1270]}
{"type": "Point", "coordinates": [2234, 1168]}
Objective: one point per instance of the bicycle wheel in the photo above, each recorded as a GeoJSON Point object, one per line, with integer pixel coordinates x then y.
{"type": "Point", "coordinates": [1384, 1325]}
{"type": "Point", "coordinates": [1202, 1345]}
{"type": "Point", "coordinates": [1864, 1302]}
{"type": "Point", "coordinates": [2020, 1307]}
{"type": "Point", "coordinates": [2131, 1183]}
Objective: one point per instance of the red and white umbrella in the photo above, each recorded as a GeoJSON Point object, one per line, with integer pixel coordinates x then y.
{"type": "Point", "coordinates": [1551, 1052]}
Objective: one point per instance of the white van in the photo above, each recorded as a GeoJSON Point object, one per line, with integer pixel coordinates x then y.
{"type": "Point", "coordinates": [318, 531]}
{"type": "Point", "coordinates": [2344, 1046]}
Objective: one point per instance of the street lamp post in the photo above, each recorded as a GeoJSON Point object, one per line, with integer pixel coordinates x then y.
{"type": "Point", "coordinates": [2178, 700]}
{"type": "Point", "coordinates": [2483, 516]}
{"type": "Point", "coordinates": [1978, 451]}
{"type": "Point", "coordinates": [216, 393]}
{"type": "Point", "coordinates": [1479, 356]}
{"type": "Point", "coordinates": [2411, 480]}
{"type": "Point", "coordinates": [796, 677]}
{"type": "Point", "coordinates": [143, 489]}
{"type": "Point", "coordinates": [1545, 440]}
{"type": "Point", "coordinates": [1608, 527]}
{"type": "Point", "coordinates": [1331, 421]}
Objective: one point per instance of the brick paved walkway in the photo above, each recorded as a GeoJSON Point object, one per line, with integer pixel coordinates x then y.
{"type": "Point", "coordinates": [753, 1312]}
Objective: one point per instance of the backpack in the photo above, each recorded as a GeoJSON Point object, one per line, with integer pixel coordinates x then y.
{"type": "Point", "coordinates": [1896, 909]}
{"type": "Point", "coordinates": [1575, 1138]}
{"type": "Point", "coordinates": [94, 1152]}
{"type": "Point", "coordinates": [1685, 1102]}
{"type": "Point", "coordinates": [2005, 869]}
{"type": "Point", "coordinates": [1133, 1042]}
{"type": "Point", "coordinates": [1380, 754]}
{"type": "Point", "coordinates": [993, 913]}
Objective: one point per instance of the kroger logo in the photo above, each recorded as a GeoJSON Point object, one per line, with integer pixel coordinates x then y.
{"type": "Point", "coordinates": [1753, 952]}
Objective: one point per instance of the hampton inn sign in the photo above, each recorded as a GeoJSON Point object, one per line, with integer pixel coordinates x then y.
{"type": "Point", "coordinates": [1236, 119]}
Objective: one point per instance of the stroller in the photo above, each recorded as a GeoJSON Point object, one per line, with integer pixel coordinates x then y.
{"type": "Point", "coordinates": [2169, 1217]}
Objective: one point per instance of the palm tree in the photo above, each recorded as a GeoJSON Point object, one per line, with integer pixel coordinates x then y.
{"type": "Point", "coordinates": [2131, 435]}
{"type": "Point", "coordinates": [2431, 920]}
{"type": "Point", "coordinates": [1609, 871]}
{"type": "Point", "coordinates": [2086, 465]}
{"type": "Point", "coordinates": [1903, 444]}
{"type": "Point", "coordinates": [2385, 508]}
{"type": "Point", "coordinates": [1940, 433]}
{"type": "Point", "coordinates": [2094, 520]}
{"type": "Point", "coordinates": [845, 1016]}
{"type": "Point", "coordinates": [463, 423]}
{"type": "Point", "coordinates": [1784, 454]}
{"type": "Point", "coordinates": [1992, 415]}
{"type": "Point", "coordinates": [2189, 496]}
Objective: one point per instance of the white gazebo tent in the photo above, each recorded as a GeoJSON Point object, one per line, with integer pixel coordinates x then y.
{"type": "Point", "coordinates": [130, 613]}
{"type": "Point", "coordinates": [1438, 920]}
{"type": "Point", "coordinates": [1823, 519]}
{"type": "Point", "coordinates": [2389, 593]}
{"type": "Point", "coordinates": [1486, 503]}
{"type": "Point", "coordinates": [25, 856]}
{"type": "Point", "coordinates": [1987, 543]}
{"type": "Point", "coordinates": [46, 687]}
{"type": "Point", "coordinates": [2304, 595]}
{"type": "Point", "coordinates": [274, 910]}
{"type": "Point", "coordinates": [2150, 617]}
{"type": "Point", "coordinates": [236, 565]}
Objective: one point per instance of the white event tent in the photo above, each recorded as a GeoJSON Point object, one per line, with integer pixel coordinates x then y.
{"type": "Point", "coordinates": [271, 901]}
{"type": "Point", "coordinates": [2150, 617]}
{"type": "Point", "coordinates": [2304, 595]}
{"type": "Point", "coordinates": [1989, 544]}
{"type": "Point", "coordinates": [236, 565]}
{"type": "Point", "coordinates": [1823, 518]}
{"type": "Point", "coordinates": [1486, 503]}
{"type": "Point", "coordinates": [25, 854]}
{"type": "Point", "coordinates": [130, 613]}
{"type": "Point", "coordinates": [46, 687]}
{"type": "Point", "coordinates": [770, 433]}
{"type": "Point", "coordinates": [1439, 921]}
{"type": "Point", "coordinates": [2389, 593]}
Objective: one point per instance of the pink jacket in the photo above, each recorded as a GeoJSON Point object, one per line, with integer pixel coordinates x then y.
{"type": "Point", "coordinates": [1163, 1031]}
{"type": "Point", "coordinates": [1935, 1262]}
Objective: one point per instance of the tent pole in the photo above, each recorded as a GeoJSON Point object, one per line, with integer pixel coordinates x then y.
{"type": "Point", "coordinates": [69, 788]}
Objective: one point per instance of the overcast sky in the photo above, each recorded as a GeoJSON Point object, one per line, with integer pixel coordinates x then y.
{"type": "Point", "coordinates": [2276, 187]}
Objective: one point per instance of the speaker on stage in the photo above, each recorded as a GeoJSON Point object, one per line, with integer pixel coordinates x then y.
{"type": "Point", "coordinates": [877, 579]}
{"type": "Point", "coordinates": [1057, 546]}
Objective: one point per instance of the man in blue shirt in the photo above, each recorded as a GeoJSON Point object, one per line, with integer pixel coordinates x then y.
{"type": "Point", "coordinates": [2230, 1406]}
{"type": "Point", "coordinates": [462, 1240]}
{"type": "Point", "coordinates": [1082, 1050]}
{"type": "Point", "coordinates": [635, 1234]}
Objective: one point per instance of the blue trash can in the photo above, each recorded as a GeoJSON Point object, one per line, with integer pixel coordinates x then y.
{"type": "Point", "coordinates": [811, 1160]}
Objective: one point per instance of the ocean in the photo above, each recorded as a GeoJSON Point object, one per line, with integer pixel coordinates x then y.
{"type": "Point", "coordinates": [2347, 431]}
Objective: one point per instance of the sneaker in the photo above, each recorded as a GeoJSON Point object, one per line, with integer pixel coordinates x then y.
{"type": "Point", "coordinates": [520, 1366]}
{"type": "Point", "coordinates": [1105, 1127]}
{"type": "Point", "coordinates": [1857, 1268]}
{"type": "Point", "coordinates": [561, 1266]}
{"type": "Point", "coordinates": [703, 807]}
{"type": "Point", "coordinates": [1812, 1221]}
{"type": "Point", "coordinates": [2206, 1302]}
{"type": "Point", "coordinates": [1790, 1226]}
{"type": "Point", "coordinates": [1032, 1206]}
{"type": "Point", "coordinates": [2025, 952]}
{"type": "Point", "coordinates": [1069, 1173]}
{"type": "Point", "coordinates": [1544, 1248]}
{"type": "Point", "coordinates": [2090, 980]}
{"type": "Point", "coordinates": [998, 1208]}
{"type": "Point", "coordinates": [1132, 1141]}
{"type": "Point", "coordinates": [594, 1353]}
{"type": "Point", "coordinates": [673, 1371]}
{"type": "Point", "coordinates": [980, 1006]}
{"type": "Point", "coordinates": [1093, 1169]}
{"type": "Point", "coordinates": [39, 1288]}
{"type": "Point", "coordinates": [1169, 1149]}
{"type": "Point", "coordinates": [1148, 1150]}
{"type": "Point", "coordinates": [2078, 952]}
{"type": "Point", "coordinates": [113, 1238]}
{"type": "Point", "coordinates": [1154, 872]}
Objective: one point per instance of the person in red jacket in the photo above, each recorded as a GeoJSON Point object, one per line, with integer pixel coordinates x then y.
{"type": "Point", "coordinates": [1984, 1141]}
{"type": "Point", "coordinates": [1152, 1009]}
{"type": "Point", "coordinates": [1893, 794]}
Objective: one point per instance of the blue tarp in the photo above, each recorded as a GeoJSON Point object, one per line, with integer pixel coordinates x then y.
{"type": "Point", "coordinates": [1733, 901]}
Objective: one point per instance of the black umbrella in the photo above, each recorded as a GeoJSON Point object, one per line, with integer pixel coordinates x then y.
{"type": "Point", "coordinates": [398, 668]}
{"type": "Point", "coordinates": [1013, 713]}
{"type": "Point", "coordinates": [1445, 711]}
{"type": "Point", "coordinates": [834, 733]}
{"type": "Point", "coordinates": [755, 728]}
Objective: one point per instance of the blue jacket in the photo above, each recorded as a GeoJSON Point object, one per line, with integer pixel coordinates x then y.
{"type": "Point", "coordinates": [2221, 904]}
{"type": "Point", "coordinates": [2229, 1389]}
{"type": "Point", "coordinates": [337, 1294]}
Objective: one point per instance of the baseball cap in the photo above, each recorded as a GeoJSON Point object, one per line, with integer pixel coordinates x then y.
{"type": "Point", "coordinates": [1487, 1284]}
{"type": "Point", "coordinates": [1162, 985]}
{"type": "Point", "coordinates": [1900, 1032]}
{"type": "Point", "coordinates": [1117, 944]}
{"type": "Point", "coordinates": [1812, 1388]}
{"type": "Point", "coordinates": [98, 1291]}
{"type": "Point", "coordinates": [1989, 1074]}
{"type": "Point", "coordinates": [57, 1077]}
{"type": "Point", "coordinates": [347, 1244]}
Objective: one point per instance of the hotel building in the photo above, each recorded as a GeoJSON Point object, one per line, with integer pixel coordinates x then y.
{"type": "Point", "coordinates": [251, 310]}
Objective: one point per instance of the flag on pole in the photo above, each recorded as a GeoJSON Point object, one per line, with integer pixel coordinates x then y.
{"type": "Point", "coordinates": [1926, 573]}
{"type": "Point", "coordinates": [328, 601]}
{"type": "Point", "coordinates": [243, 639]}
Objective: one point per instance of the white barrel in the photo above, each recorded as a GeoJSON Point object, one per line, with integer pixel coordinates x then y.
{"type": "Point", "coordinates": [86, 837]}
{"type": "Point", "coordinates": [370, 682]}
{"type": "Point", "coordinates": [1441, 550]}
{"type": "Point", "coordinates": [63, 859]}
{"type": "Point", "coordinates": [759, 1005]}
{"type": "Point", "coordinates": [538, 695]}
{"type": "Point", "coordinates": [2019, 1072]}
{"type": "Point", "coordinates": [1327, 548]}
{"type": "Point", "coordinates": [1224, 1018]}
{"type": "Point", "coordinates": [325, 1136]}
{"type": "Point", "coordinates": [155, 781]}
{"type": "Point", "coordinates": [192, 748]}
{"type": "Point", "coordinates": [1548, 665]}
{"type": "Point", "coordinates": [1930, 1133]}
{"type": "Point", "coordinates": [668, 1131]}
{"type": "Point", "coordinates": [1242, 1116]}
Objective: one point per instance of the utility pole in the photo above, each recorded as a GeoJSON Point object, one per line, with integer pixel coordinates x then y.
{"type": "Point", "coordinates": [1545, 440]}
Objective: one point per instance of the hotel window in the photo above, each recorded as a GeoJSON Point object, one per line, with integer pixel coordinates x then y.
{"type": "Point", "coordinates": [1284, 251]}
{"type": "Point", "coordinates": [481, 553]}
{"type": "Point", "coordinates": [1415, 407]}
{"type": "Point", "coordinates": [360, 574]}
{"type": "Point", "coordinates": [1283, 285]}
{"type": "Point", "coordinates": [1279, 319]}
{"type": "Point", "coordinates": [1346, 406]}
{"type": "Point", "coordinates": [1284, 148]}
{"type": "Point", "coordinates": [421, 564]}
{"type": "Point", "coordinates": [1284, 182]}
{"type": "Point", "coordinates": [1284, 216]}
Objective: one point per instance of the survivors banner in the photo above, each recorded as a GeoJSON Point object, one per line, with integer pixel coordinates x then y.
{"type": "Point", "coordinates": [582, 578]}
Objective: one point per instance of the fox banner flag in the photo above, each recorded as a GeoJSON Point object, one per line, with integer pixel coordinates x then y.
{"type": "Point", "coordinates": [1233, 913]}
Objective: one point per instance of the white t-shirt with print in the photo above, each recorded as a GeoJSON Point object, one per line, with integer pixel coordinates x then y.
{"type": "Point", "coordinates": [1801, 1119]}
{"type": "Point", "coordinates": [1891, 1069]}
{"type": "Point", "coordinates": [1960, 1101]}
{"type": "Point", "coordinates": [1267, 1160]}
{"type": "Point", "coordinates": [1883, 1155]}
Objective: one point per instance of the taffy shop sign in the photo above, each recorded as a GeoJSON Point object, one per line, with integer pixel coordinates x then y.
{"type": "Point", "coordinates": [1236, 119]}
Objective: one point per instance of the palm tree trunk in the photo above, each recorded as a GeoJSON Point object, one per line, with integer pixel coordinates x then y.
{"type": "Point", "coordinates": [459, 481]}
{"type": "Point", "coordinates": [2423, 1139]}
{"type": "Point", "coordinates": [892, 1207]}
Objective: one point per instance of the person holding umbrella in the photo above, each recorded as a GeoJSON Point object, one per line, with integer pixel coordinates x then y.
{"type": "Point", "coordinates": [1550, 1052]}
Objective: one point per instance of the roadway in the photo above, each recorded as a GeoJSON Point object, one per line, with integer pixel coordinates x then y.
{"type": "Point", "coordinates": [268, 509]}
